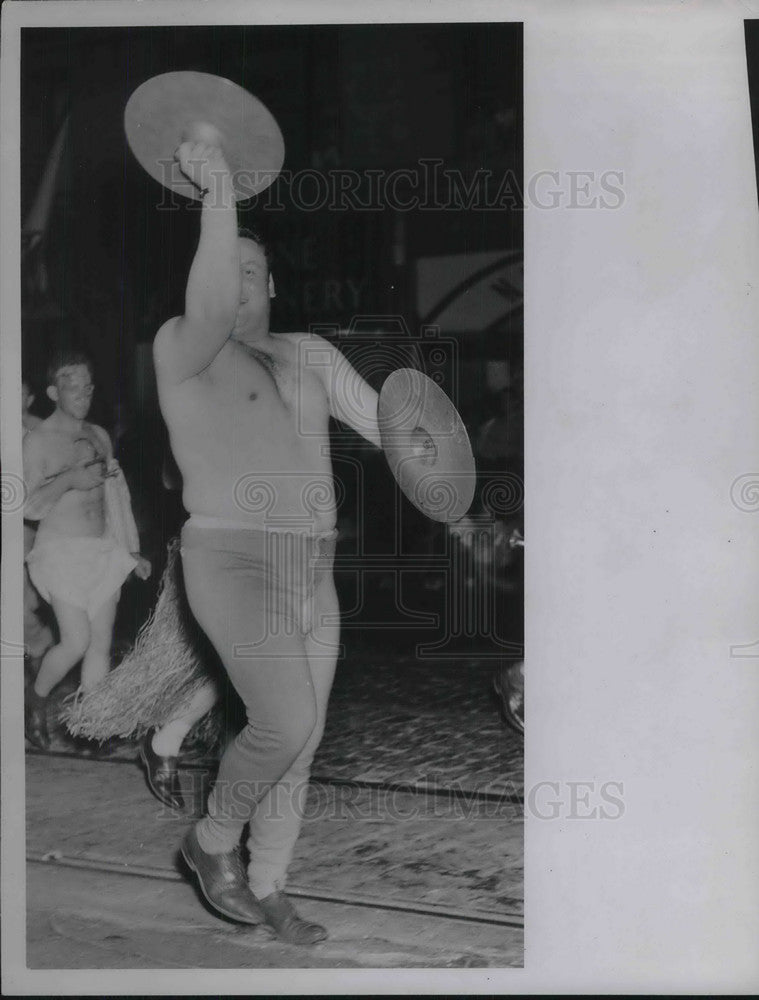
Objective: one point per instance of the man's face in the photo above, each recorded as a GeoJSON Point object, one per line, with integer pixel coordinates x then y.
{"type": "Point", "coordinates": [72, 392]}
{"type": "Point", "coordinates": [26, 398]}
{"type": "Point", "coordinates": [256, 286]}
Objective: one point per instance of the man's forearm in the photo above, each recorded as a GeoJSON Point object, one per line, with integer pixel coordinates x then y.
{"type": "Point", "coordinates": [213, 287]}
{"type": "Point", "coordinates": [187, 344]}
{"type": "Point", "coordinates": [41, 501]}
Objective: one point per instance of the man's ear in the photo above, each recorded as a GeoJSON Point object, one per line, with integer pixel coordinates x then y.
{"type": "Point", "coordinates": [272, 290]}
{"type": "Point", "coordinates": [52, 393]}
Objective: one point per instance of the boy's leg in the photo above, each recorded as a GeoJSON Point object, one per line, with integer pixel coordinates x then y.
{"type": "Point", "coordinates": [74, 628]}
{"type": "Point", "coordinates": [167, 740]}
{"type": "Point", "coordinates": [97, 658]}
{"type": "Point", "coordinates": [160, 747]}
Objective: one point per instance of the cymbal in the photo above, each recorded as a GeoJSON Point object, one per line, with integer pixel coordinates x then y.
{"type": "Point", "coordinates": [426, 445]}
{"type": "Point", "coordinates": [173, 108]}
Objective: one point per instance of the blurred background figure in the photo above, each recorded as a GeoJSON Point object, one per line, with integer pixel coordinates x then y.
{"type": "Point", "coordinates": [38, 636]}
{"type": "Point", "coordinates": [499, 446]}
{"type": "Point", "coordinates": [499, 442]}
{"type": "Point", "coordinates": [28, 419]}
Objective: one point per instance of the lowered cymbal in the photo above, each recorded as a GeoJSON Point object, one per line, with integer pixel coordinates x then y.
{"type": "Point", "coordinates": [426, 445]}
{"type": "Point", "coordinates": [173, 108]}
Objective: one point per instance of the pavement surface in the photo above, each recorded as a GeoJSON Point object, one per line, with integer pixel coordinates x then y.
{"type": "Point", "coordinates": [403, 878]}
{"type": "Point", "coordinates": [144, 924]}
{"type": "Point", "coordinates": [393, 720]}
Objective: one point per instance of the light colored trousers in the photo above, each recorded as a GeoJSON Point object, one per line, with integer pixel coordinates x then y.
{"type": "Point", "coordinates": [267, 602]}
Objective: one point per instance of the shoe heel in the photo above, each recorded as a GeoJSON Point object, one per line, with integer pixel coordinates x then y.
{"type": "Point", "coordinates": [188, 860]}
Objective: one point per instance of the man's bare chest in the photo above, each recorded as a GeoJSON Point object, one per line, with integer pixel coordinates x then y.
{"type": "Point", "coordinates": [250, 379]}
{"type": "Point", "coordinates": [65, 451]}
{"type": "Point", "coordinates": [257, 368]}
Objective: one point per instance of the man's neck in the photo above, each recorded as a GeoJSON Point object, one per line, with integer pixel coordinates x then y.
{"type": "Point", "coordinates": [66, 423]}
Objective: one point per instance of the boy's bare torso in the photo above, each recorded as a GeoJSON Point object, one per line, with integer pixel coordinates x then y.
{"type": "Point", "coordinates": [77, 514]}
{"type": "Point", "coordinates": [250, 436]}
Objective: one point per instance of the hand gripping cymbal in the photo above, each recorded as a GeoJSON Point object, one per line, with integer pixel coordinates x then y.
{"type": "Point", "coordinates": [426, 445]}
{"type": "Point", "coordinates": [173, 108]}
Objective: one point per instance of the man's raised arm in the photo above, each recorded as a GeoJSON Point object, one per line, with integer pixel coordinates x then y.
{"type": "Point", "coordinates": [187, 344]}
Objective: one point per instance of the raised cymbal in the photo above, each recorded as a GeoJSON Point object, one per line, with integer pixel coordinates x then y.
{"type": "Point", "coordinates": [426, 445]}
{"type": "Point", "coordinates": [172, 108]}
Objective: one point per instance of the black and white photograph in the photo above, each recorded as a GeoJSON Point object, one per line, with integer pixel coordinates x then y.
{"type": "Point", "coordinates": [272, 356]}
{"type": "Point", "coordinates": [379, 443]}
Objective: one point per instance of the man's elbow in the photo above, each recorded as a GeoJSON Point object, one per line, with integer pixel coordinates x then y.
{"type": "Point", "coordinates": [216, 317]}
{"type": "Point", "coordinates": [205, 326]}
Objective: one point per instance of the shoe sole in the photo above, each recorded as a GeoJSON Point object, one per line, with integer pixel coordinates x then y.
{"type": "Point", "coordinates": [151, 786]}
{"type": "Point", "coordinates": [509, 709]}
{"type": "Point", "coordinates": [220, 909]}
{"type": "Point", "coordinates": [293, 939]}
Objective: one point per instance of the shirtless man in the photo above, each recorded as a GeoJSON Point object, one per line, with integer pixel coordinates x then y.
{"type": "Point", "coordinates": [37, 635]}
{"type": "Point", "coordinates": [247, 413]}
{"type": "Point", "coordinates": [75, 563]}
{"type": "Point", "coordinates": [28, 420]}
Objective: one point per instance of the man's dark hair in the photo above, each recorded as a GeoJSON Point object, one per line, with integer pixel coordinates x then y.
{"type": "Point", "coordinates": [257, 237]}
{"type": "Point", "coordinates": [66, 357]}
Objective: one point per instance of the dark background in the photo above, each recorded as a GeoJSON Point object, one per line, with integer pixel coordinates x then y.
{"type": "Point", "coordinates": [111, 267]}
{"type": "Point", "coordinates": [350, 97]}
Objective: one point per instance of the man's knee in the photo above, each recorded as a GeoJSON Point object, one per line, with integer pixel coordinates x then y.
{"type": "Point", "coordinates": [295, 727]}
{"type": "Point", "coordinates": [75, 642]}
{"type": "Point", "coordinates": [301, 727]}
{"type": "Point", "coordinates": [285, 735]}
{"type": "Point", "coordinates": [301, 765]}
{"type": "Point", "coordinates": [99, 642]}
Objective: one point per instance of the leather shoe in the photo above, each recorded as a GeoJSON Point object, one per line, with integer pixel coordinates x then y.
{"type": "Point", "coordinates": [508, 684]}
{"type": "Point", "coordinates": [282, 916]}
{"type": "Point", "coordinates": [162, 774]}
{"type": "Point", "coordinates": [223, 881]}
{"type": "Point", "coordinates": [35, 720]}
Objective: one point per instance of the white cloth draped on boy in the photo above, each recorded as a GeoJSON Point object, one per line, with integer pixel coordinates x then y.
{"type": "Point", "coordinates": [169, 662]}
{"type": "Point", "coordinates": [86, 572]}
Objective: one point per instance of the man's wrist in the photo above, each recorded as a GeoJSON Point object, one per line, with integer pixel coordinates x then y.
{"type": "Point", "coordinates": [220, 192]}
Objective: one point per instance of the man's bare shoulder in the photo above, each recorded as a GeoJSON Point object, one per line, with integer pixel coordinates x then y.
{"type": "Point", "coordinates": [301, 337]}
{"type": "Point", "coordinates": [30, 422]}
{"type": "Point", "coordinates": [165, 354]}
{"type": "Point", "coordinates": [99, 433]}
{"type": "Point", "coordinates": [36, 439]}
{"type": "Point", "coordinates": [169, 355]}
{"type": "Point", "coordinates": [162, 341]}
{"type": "Point", "coordinates": [309, 349]}
{"type": "Point", "coordinates": [42, 443]}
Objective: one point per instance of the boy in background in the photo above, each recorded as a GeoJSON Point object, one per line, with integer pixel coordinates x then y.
{"type": "Point", "coordinates": [86, 543]}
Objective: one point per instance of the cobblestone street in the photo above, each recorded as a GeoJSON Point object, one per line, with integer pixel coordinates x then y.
{"type": "Point", "coordinates": [420, 722]}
